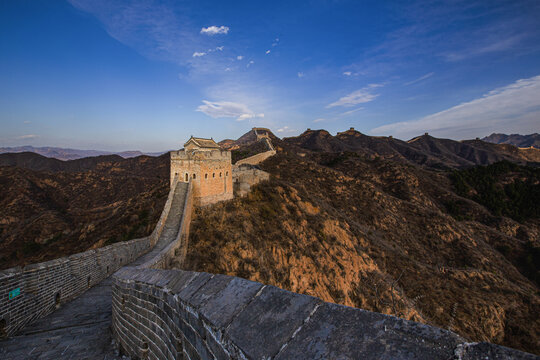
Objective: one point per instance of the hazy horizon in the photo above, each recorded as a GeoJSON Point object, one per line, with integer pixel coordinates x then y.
{"type": "Point", "coordinates": [145, 75]}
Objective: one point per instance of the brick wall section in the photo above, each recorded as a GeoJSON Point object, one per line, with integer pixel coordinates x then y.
{"type": "Point", "coordinates": [256, 159]}
{"type": "Point", "coordinates": [44, 286]}
{"type": "Point", "coordinates": [209, 171]}
{"type": "Point", "coordinates": [245, 176]}
{"type": "Point", "coordinates": [174, 314]}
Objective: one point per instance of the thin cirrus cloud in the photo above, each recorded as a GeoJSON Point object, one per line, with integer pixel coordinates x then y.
{"type": "Point", "coordinates": [346, 113]}
{"type": "Point", "coordinates": [421, 78]}
{"type": "Point", "coordinates": [360, 96]}
{"type": "Point", "coordinates": [513, 108]}
{"type": "Point", "coordinates": [495, 44]}
{"type": "Point", "coordinates": [227, 109]}
{"type": "Point", "coordinates": [215, 30]}
{"type": "Point", "coordinates": [157, 32]}
{"type": "Point", "coordinates": [285, 130]}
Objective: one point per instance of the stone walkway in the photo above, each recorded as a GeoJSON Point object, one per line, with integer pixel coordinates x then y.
{"type": "Point", "coordinates": [171, 227]}
{"type": "Point", "coordinates": [81, 329]}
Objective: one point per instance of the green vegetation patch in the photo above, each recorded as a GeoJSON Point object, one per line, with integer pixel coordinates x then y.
{"type": "Point", "coordinates": [506, 189]}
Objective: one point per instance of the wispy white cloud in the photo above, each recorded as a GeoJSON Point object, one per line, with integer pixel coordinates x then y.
{"type": "Point", "coordinates": [214, 30]}
{"type": "Point", "coordinates": [347, 73]}
{"type": "Point", "coordinates": [512, 108]}
{"type": "Point", "coordinates": [276, 42]}
{"type": "Point", "coordinates": [421, 78]}
{"type": "Point", "coordinates": [319, 120]}
{"type": "Point", "coordinates": [267, 52]}
{"type": "Point", "coordinates": [351, 111]}
{"type": "Point", "coordinates": [227, 109]}
{"type": "Point", "coordinates": [251, 62]}
{"type": "Point", "coordinates": [239, 57]}
{"type": "Point", "coordinates": [155, 30]}
{"type": "Point", "coordinates": [27, 137]}
{"type": "Point", "coordinates": [300, 74]}
{"type": "Point", "coordinates": [209, 51]}
{"type": "Point", "coordinates": [495, 44]}
{"type": "Point", "coordinates": [360, 96]}
{"type": "Point", "coordinates": [285, 130]}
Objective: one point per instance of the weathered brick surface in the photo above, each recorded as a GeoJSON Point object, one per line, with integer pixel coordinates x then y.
{"type": "Point", "coordinates": [45, 286]}
{"type": "Point", "coordinates": [210, 172]}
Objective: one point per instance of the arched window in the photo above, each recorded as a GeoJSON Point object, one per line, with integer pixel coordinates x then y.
{"type": "Point", "coordinates": [227, 173]}
{"type": "Point", "coordinates": [219, 174]}
{"type": "Point", "coordinates": [206, 176]}
{"type": "Point", "coordinates": [187, 177]}
{"type": "Point", "coordinates": [213, 175]}
{"type": "Point", "coordinates": [194, 176]}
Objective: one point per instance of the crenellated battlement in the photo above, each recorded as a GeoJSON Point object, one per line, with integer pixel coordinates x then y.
{"type": "Point", "coordinates": [195, 155]}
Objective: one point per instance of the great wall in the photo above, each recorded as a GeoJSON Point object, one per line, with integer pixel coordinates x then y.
{"type": "Point", "coordinates": [65, 308]}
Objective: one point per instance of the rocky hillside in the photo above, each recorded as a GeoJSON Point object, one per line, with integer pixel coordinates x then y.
{"type": "Point", "coordinates": [515, 139]}
{"type": "Point", "coordinates": [341, 222]}
{"type": "Point", "coordinates": [52, 208]}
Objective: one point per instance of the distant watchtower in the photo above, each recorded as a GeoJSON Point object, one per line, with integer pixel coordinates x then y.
{"type": "Point", "coordinates": [209, 168]}
{"type": "Point", "coordinates": [261, 133]}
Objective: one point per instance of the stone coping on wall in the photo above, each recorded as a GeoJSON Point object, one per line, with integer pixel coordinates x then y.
{"type": "Point", "coordinates": [170, 314]}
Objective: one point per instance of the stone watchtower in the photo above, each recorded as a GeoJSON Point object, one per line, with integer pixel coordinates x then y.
{"type": "Point", "coordinates": [209, 168]}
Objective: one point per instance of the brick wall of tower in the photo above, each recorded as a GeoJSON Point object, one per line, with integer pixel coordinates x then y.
{"type": "Point", "coordinates": [210, 172]}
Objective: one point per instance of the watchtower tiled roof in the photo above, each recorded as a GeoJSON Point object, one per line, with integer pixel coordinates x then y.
{"type": "Point", "coordinates": [203, 143]}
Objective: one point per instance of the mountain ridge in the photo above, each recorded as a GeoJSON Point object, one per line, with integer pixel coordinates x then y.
{"type": "Point", "coordinates": [422, 150]}
{"type": "Point", "coordinates": [73, 154]}
{"type": "Point", "coordinates": [531, 140]}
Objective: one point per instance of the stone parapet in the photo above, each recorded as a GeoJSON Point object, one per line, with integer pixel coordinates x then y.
{"type": "Point", "coordinates": [205, 155]}
{"type": "Point", "coordinates": [174, 314]}
{"type": "Point", "coordinates": [31, 292]}
{"type": "Point", "coordinates": [245, 176]}
{"type": "Point", "coordinates": [256, 159]}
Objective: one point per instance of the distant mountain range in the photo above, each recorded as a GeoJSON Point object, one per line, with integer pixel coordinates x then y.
{"type": "Point", "coordinates": [72, 154]}
{"type": "Point", "coordinates": [422, 150]}
{"type": "Point", "coordinates": [515, 139]}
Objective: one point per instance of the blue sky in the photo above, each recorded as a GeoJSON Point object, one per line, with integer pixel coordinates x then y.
{"type": "Point", "coordinates": [144, 74]}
